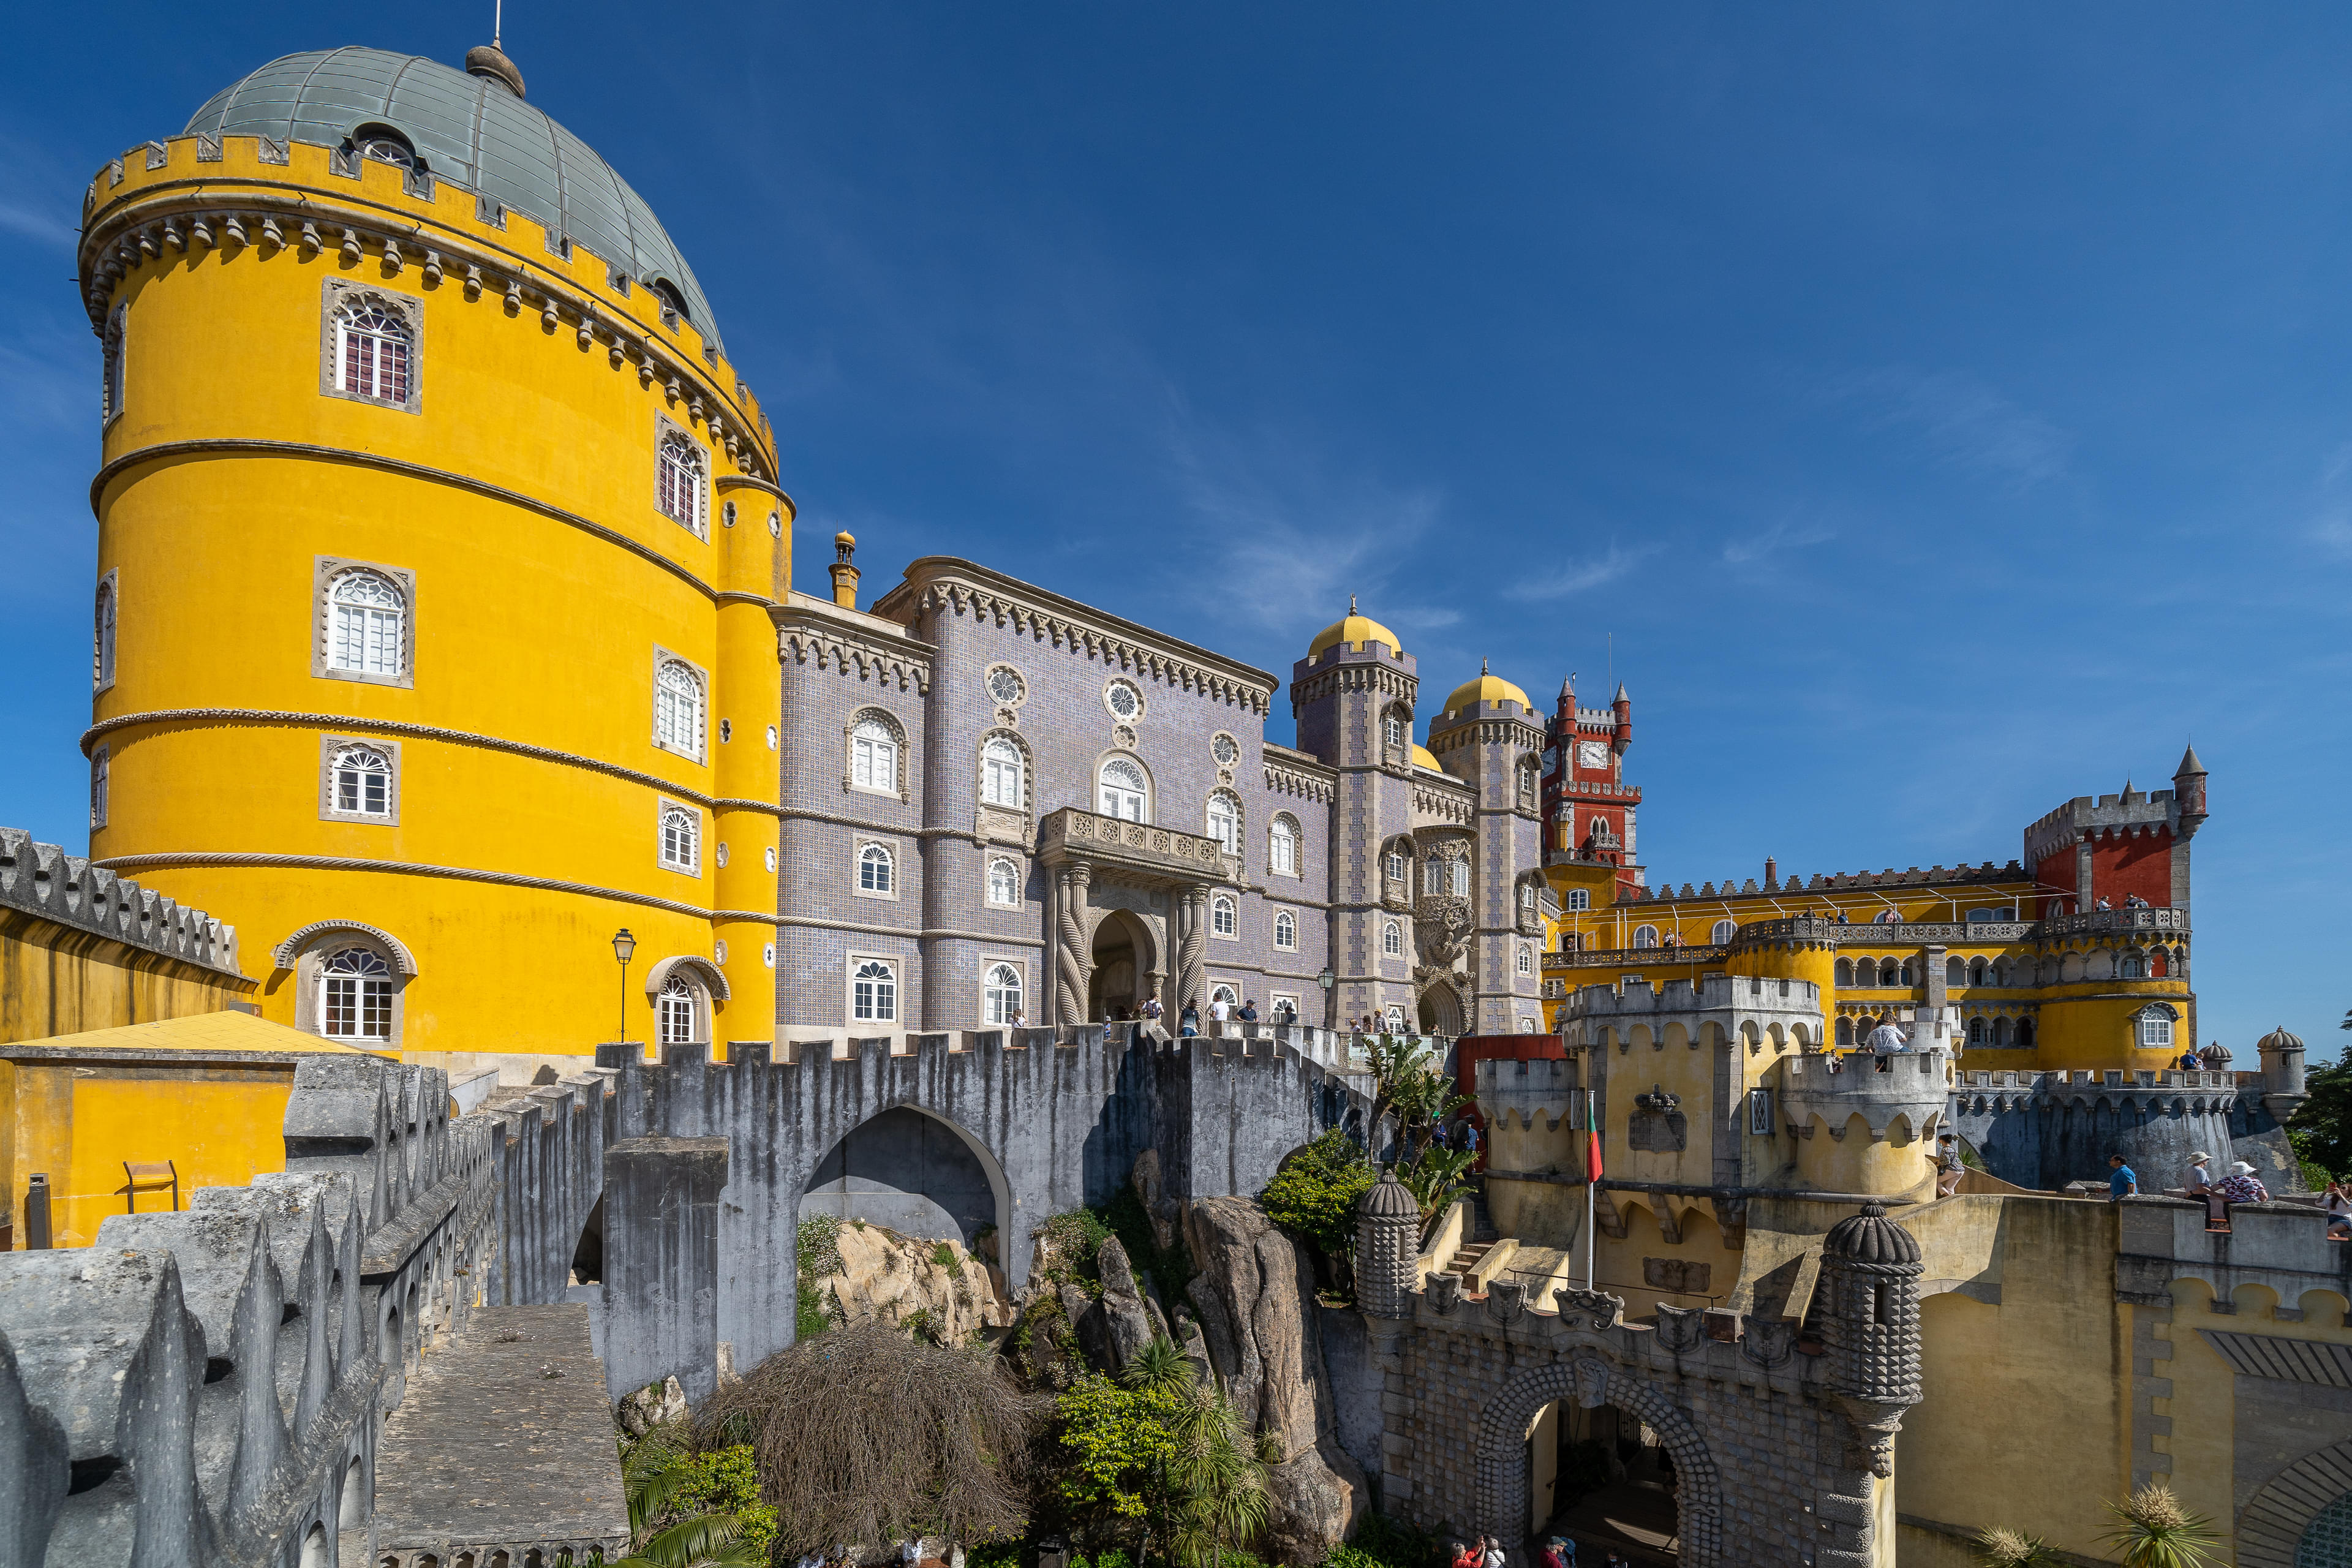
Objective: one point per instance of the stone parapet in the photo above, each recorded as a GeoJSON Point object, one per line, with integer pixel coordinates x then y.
{"type": "Point", "coordinates": [2283, 1246]}
{"type": "Point", "coordinates": [1907, 1089]}
{"type": "Point", "coordinates": [43, 880]}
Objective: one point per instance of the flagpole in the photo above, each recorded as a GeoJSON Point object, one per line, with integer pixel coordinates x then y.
{"type": "Point", "coordinates": [1591, 1183]}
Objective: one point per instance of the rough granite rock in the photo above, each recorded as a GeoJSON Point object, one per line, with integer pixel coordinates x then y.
{"type": "Point", "coordinates": [1158, 1206]}
{"type": "Point", "coordinates": [891, 1277]}
{"type": "Point", "coordinates": [1256, 1295]}
{"type": "Point", "coordinates": [655, 1405]}
{"type": "Point", "coordinates": [1126, 1320]}
{"type": "Point", "coordinates": [1094, 1334]}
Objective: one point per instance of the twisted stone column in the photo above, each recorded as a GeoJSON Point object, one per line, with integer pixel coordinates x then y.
{"type": "Point", "coordinates": [1070, 953]}
{"type": "Point", "coordinates": [1192, 947]}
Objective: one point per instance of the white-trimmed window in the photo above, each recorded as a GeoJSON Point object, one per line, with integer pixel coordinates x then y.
{"type": "Point", "coordinates": [1122, 790]}
{"type": "Point", "coordinates": [674, 1011]}
{"type": "Point", "coordinates": [1724, 932]}
{"type": "Point", "coordinates": [1003, 882]}
{"type": "Point", "coordinates": [355, 996]}
{"type": "Point", "coordinates": [1225, 994]}
{"type": "Point", "coordinates": [1397, 867]}
{"type": "Point", "coordinates": [359, 783]}
{"type": "Point", "coordinates": [367, 625]}
{"type": "Point", "coordinates": [1225, 819]}
{"type": "Point", "coordinates": [874, 991]}
{"type": "Point", "coordinates": [1392, 940]}
{"type": "Point", "coordinates": [874, 755]}
{"type": "Point", "coordinates": [1001, 995]}
{"type": "Point", "coordinates": [374, 351]}
{"type": "Point", "coordinates": [681, 492]}
{"type": "Point", "coordinates": [877, 870]}
{"type": "Point", "coordinates": [1461, 875]}
{"type": "Point", "coordinates": [1579, 898]}
{"type": "Point", "coordinates": [1225, 916]}
{"type": "Point", "coordinates": [678, 708]}
{"type": "Point", "coordinates": [101, 656]}
{"type": "Point", "coordinates": [1645, 936]}
{"type": "Point", "coordinates": [100, 765]}
{"type": "Point", "coordinates": [681, 839]}
{"type": "Point", "coordinates": [1394, 732]}
{"type": "Point", "coordinates": [1285, 931]}
{"type": "Point", "coordinates": [2155, 1029]}
{"type": "Point", "coordinates": [1526, 897]}
{"type": "Point", "coordinates": [1002, 775]}
{"type": "Point", "coordinates": [110, 387]}
{"type": "Point", "coordinates": [1528, 779]}
{"type": "Point", "coordinates": [1282, 846]}
{"type": "Point", "coordinates": [1526, 959]}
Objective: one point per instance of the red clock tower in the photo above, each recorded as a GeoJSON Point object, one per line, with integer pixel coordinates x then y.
{"type": "Point", "coordinates": [1588, 806]}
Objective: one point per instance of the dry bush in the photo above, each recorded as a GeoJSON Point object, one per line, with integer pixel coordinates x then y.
{"type": "Point", "coordinates": [865, 1437]}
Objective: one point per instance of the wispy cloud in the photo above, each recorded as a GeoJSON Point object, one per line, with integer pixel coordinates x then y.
{"type": "Point", "coordinates": [2334, 535]}
{"type": "Point", "coordinates": [1964, 422]}
{"type": "Point", "coordinates": [35, 225]}
{"type": "Point", "coordinates": [1581, 577]}
{"type": "Point", "coordinates": [1779, 537]}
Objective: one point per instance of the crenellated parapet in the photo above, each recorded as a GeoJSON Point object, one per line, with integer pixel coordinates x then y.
{"type": "Point", "coordinates": [1752, 1009]}
{"type": "Point", "coordinates": [1898, 1095]}
{"type": "Point", "coordinates": [43, 881]}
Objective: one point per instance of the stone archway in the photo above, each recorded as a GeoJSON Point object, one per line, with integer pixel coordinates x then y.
{"type": "Point", "coordinates": [1440, 1010]}
{"type": "Point", "coordinates": [2272, 1527]}
{"type": "Point", "coordinates": [1590, 1381]}
{"type": "Point", "coordinates": [1125, 967]}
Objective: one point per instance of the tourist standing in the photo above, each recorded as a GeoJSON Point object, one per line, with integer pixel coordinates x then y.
{"type": "Point", "coordinates": [1221, 1008]}
{"type": "Point", "coordinates": [1249, 1010]}
{"type": "Point", "coordinates": [1188, 1022]}
{"type": "Point", "coordinates": [1949, 1165]}
{"type": "Point", "coordinates": [2122, 1181]}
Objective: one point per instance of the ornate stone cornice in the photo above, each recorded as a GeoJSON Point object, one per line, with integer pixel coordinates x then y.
{"type": "Point", "coordinates": [1450, 801]}
{"type": "Point", "coordinates": [963, 588]}
{"type": "Point", "coordinates": [1381, 676]}
{"type": "Point", "coordinates": [1305, 784]}
{"type": "Point", "coordinates": [803, 638]}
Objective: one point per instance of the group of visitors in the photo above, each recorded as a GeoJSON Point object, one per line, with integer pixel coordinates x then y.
{"type": "Point", "coordinates": [2213, 1058]}
{"type": "Point", "coordinates": [1221, 1010]}
{"type": "Point", "coordinates": [1559, 1551]}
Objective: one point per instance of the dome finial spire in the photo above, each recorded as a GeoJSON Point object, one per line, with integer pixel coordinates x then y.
{"type": "Point", "coordinates": [1482, 665]}
{"type": "Point", "coordinates": [1352, 604]}
{"type": "Point", "coordinates": [489, 60]}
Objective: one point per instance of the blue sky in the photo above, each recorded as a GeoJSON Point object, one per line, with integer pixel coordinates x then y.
{"type": "Point", "coordinates": [1944, 410]}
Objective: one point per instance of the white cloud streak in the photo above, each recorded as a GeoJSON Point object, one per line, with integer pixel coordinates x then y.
{"type": "Point", "coordinates": [1965, 423]}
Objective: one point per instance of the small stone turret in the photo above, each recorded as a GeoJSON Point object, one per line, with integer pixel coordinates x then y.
{"type": "Point", "coordinates": [2283, 1078]}
{"type": "Point", "coordinates": [1387, 1234]}
{"type": "Point", "coordinates": [1869, 1322]}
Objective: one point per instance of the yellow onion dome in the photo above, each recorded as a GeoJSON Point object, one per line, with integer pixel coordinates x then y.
{"type": "Point", "coordinates": [1487, 688]}
{"type": "Point", "coordinates": [1354, 630]}
{"type": "Point", "coordinates": [1422, 757]}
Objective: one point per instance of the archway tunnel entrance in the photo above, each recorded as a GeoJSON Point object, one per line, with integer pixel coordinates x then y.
{"type": "Point", "coordinates": [1124, 972]}
{"type": "Point", "coordinates": [1441, 1011]}
{"type": "Point", "coordinates": [1602, 1477]}
{"type": "Point", "coordinates": [911, 1173]}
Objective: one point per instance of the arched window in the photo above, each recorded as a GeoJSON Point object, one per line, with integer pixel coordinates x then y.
{"type": "Point", "coordinates": [110, 373]}
{"type": "Point", "coordinates": [1392, 940]}
{"type": "Point", "coordinates": [2155, 1029]}
{"type": "Point", "coordinates": [1003, 882]}
{"type": "Point", "coordinates": [1222, 993]}
{"type": "Point", "coordinates": [1890, 973]}
{"type": "Point", "coordinates": [673, 303]}
{"type": "Point", "coordinates": [102, 637]}
{"type": "Point", "coordinates": [1844, 973]}
{"type": "Point", "coordinates": [1977, 1032]}
{"type": "Point", "coordinates": [362, 781]}
{"type": "Point", "coordinates": [101, 767]}
{"type": "Point", "coordinates": [1977, 972]}
{"type": "Point", "coordinates": [681, 839]}
{"type": "Point", "coordinates": [874, 755]}
{"type": "Point", "coordinates": [875, 869]}
{"type": "Point", "coordinates": [1393, 730]}
{"type": "Point", "coordinates": [1000, 775]}
{"type": "Point", "coordinates": [674, 1011]}
{"type": "Point", "coordinates": [1225, 819]}
{"type": "Point", "coordinates": [355, 996]}
{"type": "Point", "coordinates": [1526, 897]}
{"type": "Point", "coordinates": [1955, 973]}
{"type": "Point", "coordinates": [1462, 878]}
{"type": "Point", "coordinates": [1124, 793]}
{"type": "Point", "coordinates": [873, 992]}
{"type": "Point", "coordinates": [372, 352]}
{"type": "Point", "coordinates": [1645, 936]}
{"type": "Point", "coordinates": [1527, 777]}
{"type": "Point", "coordinates": [1282, 847]}
{"type": "Point", "coordinates": [1846, 1031]}
{"type": "Point", "coordinates": [367, 625]}
{"type": "Point", "coordinates": [2132, 967]}
{"type": "Point", "coordinates": [1526, 959]}
{"type": "Point", "coordinates": [1724, 932]}
{"type": "Point", "coordinates": [1225, 916]}
{"type": "Point", "coordinates": [2000, 1036]}
{"type": "Point", "coordinates": [679, 490]}
{"type": "Point", "coordinates": [1397, 867]}
{"type": "Point", "coordinates": [678, 708]}
{"type": "Point", "coordinates": [2025, 1034]}
{"type": "Point", "coordinates": [1910, 971]}
{"type": "Point", "coordinates": [1285, 930]}
{"type": "Point", "coordinates": [1579, 898]}
{"type": "Point", "coordinates": [1001, 995]}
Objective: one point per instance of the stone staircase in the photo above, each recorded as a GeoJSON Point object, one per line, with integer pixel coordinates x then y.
{"type": "Point", "coordinates": [1480, 1240]}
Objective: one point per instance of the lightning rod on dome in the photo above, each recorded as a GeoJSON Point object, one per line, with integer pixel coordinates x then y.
{"type": "Point", "coordinates": [498, 23]}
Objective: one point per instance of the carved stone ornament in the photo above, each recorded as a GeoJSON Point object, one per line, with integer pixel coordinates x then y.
{"type": "Point", "coordinates": [1596, 1311]}
{"type": "Point", "coordinates": [1680, 1329]}
{"type": "Point", "coordinates": [1592, 1381]}
{"type": "Point", "coordinates": [1769, 1341]}
{"type": "Point", "coordinates": [1445, 1293]}
{"type": "Point", "coordinates": [1440, 926]}
{"type": "Point", "coordinates": [1507, 1302]}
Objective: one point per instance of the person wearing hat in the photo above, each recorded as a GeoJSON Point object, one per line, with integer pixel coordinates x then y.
{"type": "Point", "coordinates": [1560, 1551]}
{"type": "Point", "coordinates": [2241, 1185]}
{"type": "Point", "coordinates": [2198, 1181]}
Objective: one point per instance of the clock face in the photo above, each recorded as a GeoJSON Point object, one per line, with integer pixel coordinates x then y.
{"type": "Point", "coordinates": [1592, 754]}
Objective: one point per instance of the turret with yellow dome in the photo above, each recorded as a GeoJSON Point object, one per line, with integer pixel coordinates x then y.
{"type": "Point", "coordinates": [1355, 630]}
{"type": "Point", "coordinates": [1489, 737]}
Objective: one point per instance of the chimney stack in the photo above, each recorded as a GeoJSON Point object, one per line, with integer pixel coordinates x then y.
{"type": "Point", "coordinates": [844, 574]}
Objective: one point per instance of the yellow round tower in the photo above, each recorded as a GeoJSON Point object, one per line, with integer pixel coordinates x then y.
{"type": "Point", "coordinates": [438, 544]}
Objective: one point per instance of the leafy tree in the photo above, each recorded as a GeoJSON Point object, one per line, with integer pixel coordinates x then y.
{"type": "Point", "coordinates": [1315, 1192]}
{"type": "Point", "coordinates": [2321, 1129]}
{"type": "Point", "coordinates": [1406, 1081]}
{"type": "Point", "coordinates": [2155, 1530]}
{"type": "Point", "coordinates": [1117, 1441]}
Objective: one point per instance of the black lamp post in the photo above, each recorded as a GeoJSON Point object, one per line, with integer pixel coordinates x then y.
{"type": "Point", "coordinates": [1327, 980]}
{"type": "Point", "coordinates": [624, 944]}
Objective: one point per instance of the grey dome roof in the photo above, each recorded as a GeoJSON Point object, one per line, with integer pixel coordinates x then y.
{"type": "Point", "coordinates": [1871, 1237]}
{"type": "Point", "coordinates": [467, 130]}
{"type": "Point", "coordinates": [2278, 1039]}
{"type": "Point", "coordinates": [1392, 1199]}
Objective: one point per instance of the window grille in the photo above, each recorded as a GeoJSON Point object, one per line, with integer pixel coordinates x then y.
{"type": "Point", "coordinates": [1225, 916]}
{"type": "Point", "coordinates": [1001, 774]}
{"type": "Point", "coordinates": [679, 490]}
{"type": "Point", "coordinates": [873, 869]}
{"type": "Point", "coordinates": [674, 1011]}
{"type": "Point", "coordinates": [1285, 930]}
{"type": "Point", "coordinates": [873, 992]}
{"type": "Point", "coordinates": [1001, 995]}
{"type": "Point", "coordinates": [1124, 791]}
{"type": "Point", "coordinates": [874, 755]}
{"type": "Point", "coordinates": [355, 996]}
{"type": "Point", "coordinates": [1393, 728]}
{"type": "Point", "coordinates": [678, 708]}
{"type": "Point", "coordinates": [372, 352]}
{"type": "Point", "coordinates": [362, 782]}
{"type": "Point", "coordinates": [1003, 882]}
{"type": "Point", "coordinates": [367, 625]}
{"type": "Point", "coordinates": [681, 835]}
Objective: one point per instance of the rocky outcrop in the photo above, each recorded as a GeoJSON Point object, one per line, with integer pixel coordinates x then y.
{"type": "Point", "coordinates": [1255, 1294]}
{"type": "Point", "coordinates": [655, 1405]}
{"type": "Point", "coordinates": [895, 1277]}
{"type": "Point", "coordinates": [1152, 1193]}
{"type": "Point", "coordinates": [1129, 1321]}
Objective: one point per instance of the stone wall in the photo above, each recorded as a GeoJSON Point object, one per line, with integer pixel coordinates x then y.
{"type": "Point", "coordinates": [2043, 1129]}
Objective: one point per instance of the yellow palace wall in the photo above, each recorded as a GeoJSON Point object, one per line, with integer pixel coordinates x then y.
{"type": "Point", "coordinates": [521, 500]}
{"type": "Point", "coordinates": [55, 979]}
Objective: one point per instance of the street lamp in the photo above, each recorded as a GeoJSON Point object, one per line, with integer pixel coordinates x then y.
{"type": "Point", "coordinates": [1327, 980]}
{"type": "Point", "coordinates": [624, 944]}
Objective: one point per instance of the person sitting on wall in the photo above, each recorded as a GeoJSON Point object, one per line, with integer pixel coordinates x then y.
{"type": "Point", "coordinates": [2197, 1181]}
{"type": "Point", "coordinates": [1888, 1037]}
{"type": "Point", "coordinates": [2240, 1187]}
{"type": "Point", "coordinates": [2188, 1062]}
{"type": "Point", "coordinates": [2338, 1204]}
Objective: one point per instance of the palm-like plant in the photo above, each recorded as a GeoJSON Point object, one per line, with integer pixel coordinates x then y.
{"type": "Point", "coordinates": [2003, 1548]}
{"type": "Point", "coordinates": [1213, 1486]}
{"type": "Point", "coordinates": [656, 1471]}
{"type": "Point", "coordinates": [2156, 1530]}
{"type": "Point", "coordinates": [1433, 1177]}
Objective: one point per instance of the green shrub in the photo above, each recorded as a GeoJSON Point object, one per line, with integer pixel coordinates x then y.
{"type": "Point", "coordinates": [945, 1256]}
{"type": "Point", "coordinates": [1315, 1192]}
{"type": "Point", "coordinates": [1073, 1239]}
{"type": "Point", "coordinates": [1382, 1543]}
{"type": "Point", "coordinates": [818, 1253]}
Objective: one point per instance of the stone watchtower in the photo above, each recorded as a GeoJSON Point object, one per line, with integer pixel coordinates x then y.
{"type": "Point", "coordinates": [1388, 1237]}
{"type": "Point", "coordinates": [1353, 697]}
{"type": "Point", "coordinates": [1488, 736]}
{"type": "Point", "coordinates": [1868, 1317]}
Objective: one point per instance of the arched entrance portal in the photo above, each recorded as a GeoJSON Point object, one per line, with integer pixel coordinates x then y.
{"type": "Point", "coordinates": [1604, 1480]}
{"type": "Point", "coordinates": [918, 1175]}
{"type": "Point", "coordinates": [1125, 966]}
{"type": "Point", "coordinates": [1441, 1010]}
{"type": "Point", "coordinates": [1596, 1403]}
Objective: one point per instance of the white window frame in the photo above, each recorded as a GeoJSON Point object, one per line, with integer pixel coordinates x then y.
{"type": "Point", "coordinates": [1461, 875]}
{"type": "Point", "coordinates": [1142, 703]}
{"type": "Point", "coordinates": [1392, 938]}
{"type": "Point", "coordinates": [331, 750]}
{"type": "Point", "coordinates": [330, 572]}
{"type": "Point", "coordinates": [1285, 930]}
{"type": "Point", "coordinates": [1273, 1008]}
{"type": "Point", "coordinates": [1527, 960]}
{"type": "Point", "coordinates": [101, 786]}
{"type": "Point", "coordinates": [894, 736]}
{"type": "Point", "coordinates": [1227, 990]}
{"type": "Point", "coordinates": [1645, 936]}
{"type": "Point", "coordinates": [341, 302]}
{"type": "Point", "coordinates": [1004, 772]}
{"type": "Point", "coordinates": [679, 1012]}
{"type": "Point", "coordinates": [994, 1013]}
{"type": "Point", "coordinates": [680, 728]}
{"type": "Point", "coordinates": [1398, 866]}
{"type": "Point", "coordinates": [1394, 731]}
{"type": "Point", "coordinates": [110, 372]}
{"type": "Point", "coordinates": [1020, 685]}
{"type": "Point", "coordinates": [681, 477]}
{"type": "Point", "coordinates": [1283, 845]}
{"type": "Point", "coordinates": [883, 1004]}
{"type": "Point", "coordinates": [1724, 932]}
{"type": "Point", "coordinates": [871, 852]}
{"type": "Point", "coordinates": [1012, 870]}
{"type": "Point", "coordinates": [1579, 900]}
{"type": "Point", "coordinates": [106, 611]}
{"type": "Point", "coordinates": [665, 836]}
{"type": "Point", "coordinates": [1224, 908]}
{"type": "Point", "coordinates": [1230, 833]}
{"type": "Point", "coordinates": [1106, 806]}
{"type": "Point", "coordinates": [373, 993]}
